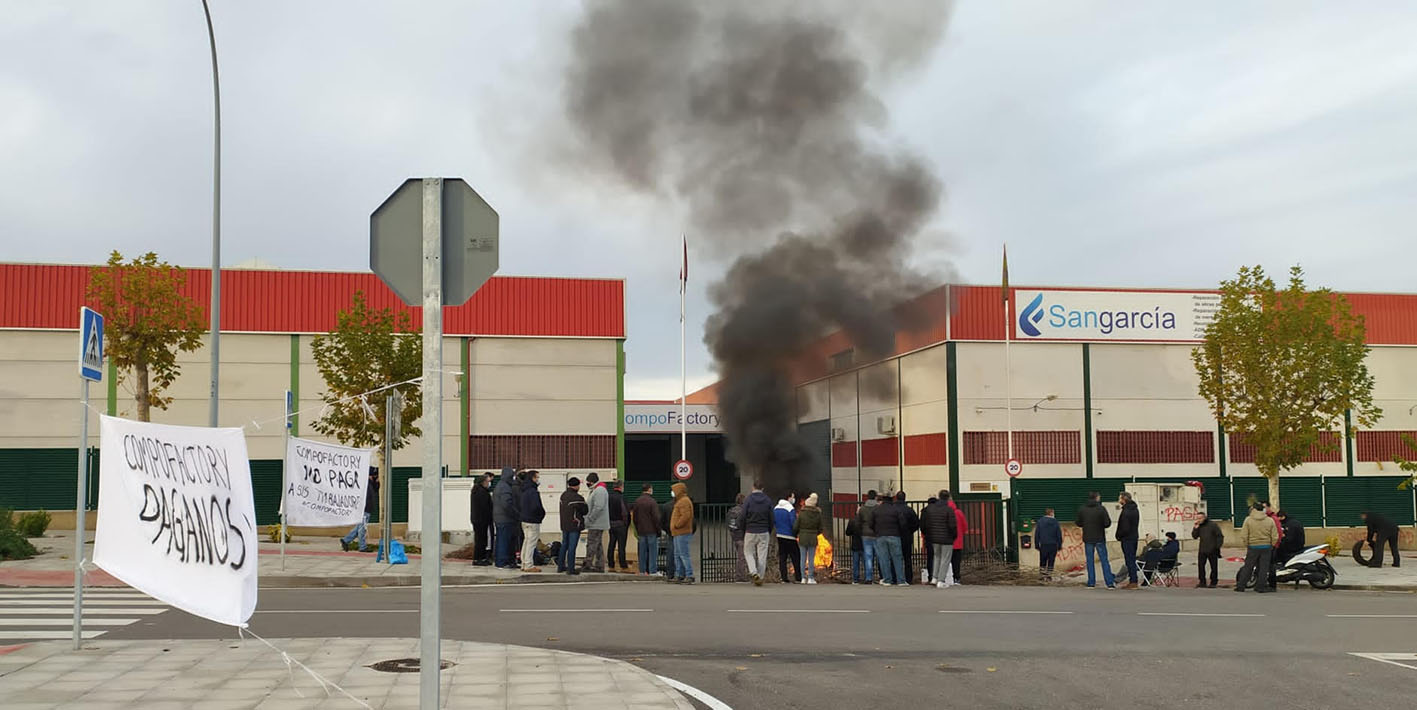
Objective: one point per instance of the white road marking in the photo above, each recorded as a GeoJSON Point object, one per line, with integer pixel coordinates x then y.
{"type": "Point", "coordinates": [39, 635]}
{"type": "Point", "coordinates": [699, 695]}
{"type": "Point", "coordinates": [67, 622]}
{"type": "Point", "coordinates": [1179, 613]}
{"type": "Point", "coordinates": [1372, 616]}
{"type": "Point", "coordinates": [799, 611]}
{"type": "Point", "coordinates": [336, 611]}
{"type": "Point", "coordinates": [987, 611]}
{"type": "Point", "coordinates": [1391, 658]}
{"type": "Point", "coordinates": [88, 603]}
{"type": "Point", "coordinates": [92, 611]}
{"type": "Point", "coordinates": [570, 611]}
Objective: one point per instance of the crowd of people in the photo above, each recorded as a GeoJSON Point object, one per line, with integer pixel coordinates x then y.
{"type": "Point", "coordinates": [507, 522]}
{"type": "Point", "coordinates": [1270, 537]}
{"type": "Point", "coordinates": [507, 518]}
{"type": "Point", "coordinates": [881, 534]}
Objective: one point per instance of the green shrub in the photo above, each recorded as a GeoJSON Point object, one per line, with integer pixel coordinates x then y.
{"type": "Point", "coordinates": [7, 519]}
{"type": "Point", "coordinates": [14, 546]}
{"type": "Point", "coordinates": [33, 524]}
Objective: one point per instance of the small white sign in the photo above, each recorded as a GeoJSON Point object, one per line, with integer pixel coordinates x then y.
{"type": "Point", "coordinates": [325, 484]}
{"type": "Point", "coordinates": [176, 518]}
{"type": "Point", "coordinates": [1013, 467]}
{"type": "Point", "coordinates": [683, 470]}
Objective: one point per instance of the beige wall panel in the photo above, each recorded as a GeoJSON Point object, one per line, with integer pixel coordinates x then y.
{"type": "Point", "coordinates": [543, 351]}
{"type": "Point", "coordinates": [546, 417]}
{"type": "Point", "coordinates": [924, 376]}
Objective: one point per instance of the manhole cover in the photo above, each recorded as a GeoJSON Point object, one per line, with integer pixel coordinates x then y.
{"type": "Point", "coordinates": [405, 665]}
{"type": "Point", "coordinates": [951, 669]}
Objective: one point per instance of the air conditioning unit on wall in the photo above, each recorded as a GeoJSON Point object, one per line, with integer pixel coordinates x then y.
{"type": "Point", "coordinates": [838, 434]}
{"type": "Point", "coordinates": [885, 424]}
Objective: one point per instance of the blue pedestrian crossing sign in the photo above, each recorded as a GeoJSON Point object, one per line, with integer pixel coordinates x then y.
{"type": "Point", "coordinates": [90, 345]}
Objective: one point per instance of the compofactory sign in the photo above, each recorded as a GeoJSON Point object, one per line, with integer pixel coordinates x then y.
{"type": "Point", "coordinates": [664, 418]}
{"type": "Point", "coordinates": [1113, 315]}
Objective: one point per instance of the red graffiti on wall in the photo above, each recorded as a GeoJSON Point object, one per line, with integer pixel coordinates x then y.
{"type": "Point", "coordinates": [1181, 514]}
{"type": "Point", "coordinates": [1406, 537]}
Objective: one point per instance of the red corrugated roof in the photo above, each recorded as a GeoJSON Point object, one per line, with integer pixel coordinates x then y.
{"type": "Point", "coordinates": [49, 296]}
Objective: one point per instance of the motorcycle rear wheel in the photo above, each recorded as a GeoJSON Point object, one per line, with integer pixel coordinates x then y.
{"type": "Point", "coordinates": [1325, 580]}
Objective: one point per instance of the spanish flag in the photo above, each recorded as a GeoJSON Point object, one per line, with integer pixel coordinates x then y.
{"type": "Point", "coordinates": [1005, 289]}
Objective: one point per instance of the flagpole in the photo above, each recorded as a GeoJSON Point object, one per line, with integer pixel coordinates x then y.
{"type": "Point", "coordinates": [683, 376]}
{"type": "Point", "coordinates": [1008, 391]}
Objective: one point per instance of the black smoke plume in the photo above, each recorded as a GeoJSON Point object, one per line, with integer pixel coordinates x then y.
{"type": "Point", "coordinates": [760, 117]}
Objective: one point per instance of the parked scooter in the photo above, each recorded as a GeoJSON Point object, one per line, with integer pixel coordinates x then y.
{"type": "Point", "coordinates": [1310, 566]}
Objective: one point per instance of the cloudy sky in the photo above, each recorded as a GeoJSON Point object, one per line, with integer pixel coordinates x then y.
{"type": "Point", "coordinates": [1108, 143]}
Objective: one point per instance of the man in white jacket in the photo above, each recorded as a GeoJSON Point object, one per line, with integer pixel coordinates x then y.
{"type": "Point", "coordinates": [597, 523]}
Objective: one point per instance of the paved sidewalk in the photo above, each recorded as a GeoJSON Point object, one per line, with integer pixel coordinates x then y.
{"type": "Point", "coordinates": [1351, 576]}
{"type": "Point", "coordinates": [309, 562]}
{"type": "Point", "coordinates": [247, 674]}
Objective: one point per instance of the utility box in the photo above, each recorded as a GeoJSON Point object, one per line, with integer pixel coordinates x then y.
{"type": "Point", "coordinates": [1164, 507]}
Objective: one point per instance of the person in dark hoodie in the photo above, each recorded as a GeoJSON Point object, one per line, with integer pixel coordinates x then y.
{"type": "Point", "coordinates": [940, 527]}
{"type": "Point", "coordinates": [909, 525]}
{"type": "Point", "coordinates": [1094, 521]}
{"type": "Point", "coordinates": [1157, 552]}
{"type": "Point", "coordinates": [858, 551]}
{"type": "Point", "coordinates": [755, 520]}
{"type": "Point", "coordinates": [1381, 530]}
{"type": "Point", "coordinates": [1128, 525]}
{"type": "Point", "coordinates": [619, 527]}
{"type": "Point", "coordinates": [481, 515]}
{"type": "Point", "coordinates": [573, 511]}
{"type": "Point", "coordinates": [929, 569]}
{"type": "Point", "coordinates": [1291, 541]}
{"type": "Point", "coordinates": [532, 512]}
{"type": "Point", "coordinates": [1048, 538]}
{"type": "Point", "coordinates": [517, 536]}
{"type": "Point", "coordinates": [645, 517]}
{"type": "Point", "coordinates": [1211, 539]}
{"type": "Point", "coordinates": [889, 523]}
{"type": "Point", "coordinates": [504, 519]}
{"type": "Point", "coordinates": [866, 524]}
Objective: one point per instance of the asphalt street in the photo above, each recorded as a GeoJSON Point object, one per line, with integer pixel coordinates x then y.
{"type": "Point", "coordinates": [830, 646]}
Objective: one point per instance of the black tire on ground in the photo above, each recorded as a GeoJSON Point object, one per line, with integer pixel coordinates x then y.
{"type": "Point", "coordinates": [1358, 554]}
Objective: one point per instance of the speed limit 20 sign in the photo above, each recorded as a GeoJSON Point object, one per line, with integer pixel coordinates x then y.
{"type": "Point", "coordinates": [683, 470]}
{"type": "Point", "coordinates": [1013, 467]}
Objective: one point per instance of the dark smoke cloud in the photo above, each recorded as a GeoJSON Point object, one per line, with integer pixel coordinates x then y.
{"type": "Point", "coordinates": [760, 117]}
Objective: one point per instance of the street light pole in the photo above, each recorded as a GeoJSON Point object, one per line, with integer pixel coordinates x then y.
{"type": "Point", "coordinates": [216, 223]}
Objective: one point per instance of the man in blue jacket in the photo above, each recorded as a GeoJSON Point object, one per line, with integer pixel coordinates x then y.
{"type": "Point", "coordinates": [504, 519]}
{"type": "Point", "coordinates": [756, 522]}
{"type": "Point", "coordinates": [532, 512]}
{"type": "Point", "coordinates": [1048, 538]}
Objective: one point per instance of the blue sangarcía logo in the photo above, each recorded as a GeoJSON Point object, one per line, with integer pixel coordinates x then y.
{"type": "Point", "coordinates": [1031, 315]}
{"type": "Point", "coordinates": [1103, 320]}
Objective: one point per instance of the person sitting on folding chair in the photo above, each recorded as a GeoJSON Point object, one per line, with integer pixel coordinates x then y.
{"type": "Point", "coordinates": [1157, 554]}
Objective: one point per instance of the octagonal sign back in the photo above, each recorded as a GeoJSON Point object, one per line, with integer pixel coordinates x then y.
{"type": "Point", "coordinates": [470, 241]}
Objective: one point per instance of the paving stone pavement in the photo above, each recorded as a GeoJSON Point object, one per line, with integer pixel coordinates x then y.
{"type": "Point", "coordinates": [247, 674]}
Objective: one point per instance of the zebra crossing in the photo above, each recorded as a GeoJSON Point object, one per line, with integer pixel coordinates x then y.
{"type": "Point", "coordinates": [47, 613]}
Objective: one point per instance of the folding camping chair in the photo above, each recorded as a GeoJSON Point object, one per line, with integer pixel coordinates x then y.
{"type": "Point", "coordinates": [1164, 573]}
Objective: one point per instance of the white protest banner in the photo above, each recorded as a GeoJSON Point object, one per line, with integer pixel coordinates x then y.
{"type": "Point", "coordinates": [324, 483]}
{"type": "Point", "coordinates": [176, 519]}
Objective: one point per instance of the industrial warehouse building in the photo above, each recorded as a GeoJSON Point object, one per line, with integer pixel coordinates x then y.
{"type": "Point", "coordinates": [544, 389]}
{"type": "Point", "coordinates": [1103, 393]}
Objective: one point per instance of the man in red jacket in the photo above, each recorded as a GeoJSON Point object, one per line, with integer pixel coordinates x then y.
{"type": "Point", "coordinates": [962, 527]}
